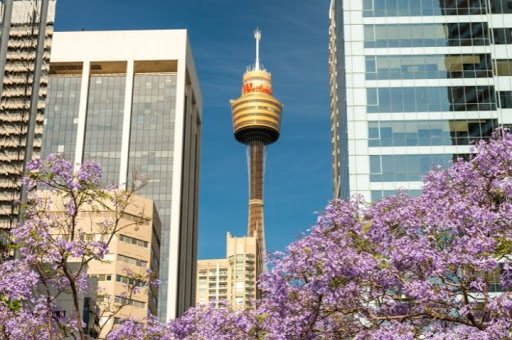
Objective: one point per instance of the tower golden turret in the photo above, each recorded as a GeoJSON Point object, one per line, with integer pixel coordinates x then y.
{"type": "Point", "coordinates": [256, 123]}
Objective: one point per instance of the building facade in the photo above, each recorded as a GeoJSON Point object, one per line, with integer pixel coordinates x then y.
{"type": "Point", "coordinates": [231, 280]}
{"type": "Point", "coordinates": [213, 282]}
{"type": "Point", "coordinates": [413, 85]}
{"type": "Point", "coordinates": [135, 249]}
{"type": "Point", "coordinates": [19, 33]}
{"type": "Point", "coordinates": [130, 100]}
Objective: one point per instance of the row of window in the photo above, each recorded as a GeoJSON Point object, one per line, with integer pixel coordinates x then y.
{"type": "Point", "coordinates": [387, 8]}
{"type": "Point", "coordinates": [152, 122]}
{"type": "Point", "coordinates": [426, 35]}
{"type": "Point", "coordinates": [129, 281]}
{"type": "Point", "coordinates": [431, 99]}
{"type": "Point", "coordinates": [129, 302]}
{"type": "Point", "coordinates": [377, 195]}
{"type": "Point", "coordinates": [132, 240]}
{"type": "Point", "coordinates": [429, 132]}
{"type": "Point", "coordinates": [61, 116]}
{"type": "Point", "coordinates": [403, 168]}
{"type": "Point", "coordinates": [432, 35]}
{"type": "Point", "coordinates": [132, 261]}
{"type": "Point", "coordinates": [119, 278]}
{"type": "Point", "coordinates": [435, 66]}
{"type": "Point", "coordinates": [428, 66]}
{"type": "Point", "coordinates": [104, 123]}
{"type": "Point", "coordinates": [102, 277]}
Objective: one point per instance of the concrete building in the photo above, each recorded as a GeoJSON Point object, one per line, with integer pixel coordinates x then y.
{"type": "Point", "coordinates": [20, 21]}
{"type": "Point", "coordinates": [133, 250]}
{"type": "Point", "coordinates": [213, 282]}
{"type": "Point", "coordinates": [231, 280]}
{"type": "Point", "coordinates": [413, 84]}
{"type": "Point", "coordinates": [131, 101]}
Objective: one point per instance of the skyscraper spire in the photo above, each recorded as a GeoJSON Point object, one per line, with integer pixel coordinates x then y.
{"type": "Point", "coordinates": [256, 123]}
{"type": "Point", "coordinates": [257, 36]}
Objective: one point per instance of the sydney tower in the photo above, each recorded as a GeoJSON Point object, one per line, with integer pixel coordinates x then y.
{"type": "Point", "coordinates": [256, 122]}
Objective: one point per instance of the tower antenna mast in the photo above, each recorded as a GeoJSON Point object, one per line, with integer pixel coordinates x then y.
{"type": "Point", "coordinates": [257, 36]}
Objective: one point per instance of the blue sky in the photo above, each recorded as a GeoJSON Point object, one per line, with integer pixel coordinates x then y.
{"type": "Point", "coordinates": [294, 48]}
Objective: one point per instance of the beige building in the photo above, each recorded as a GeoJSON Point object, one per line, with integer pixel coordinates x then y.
{"type": "Point", "coordinates": [213, 285]}
{"type": "Point", "coordinates": [133, 251]}
{"type": "Point", "coordinates": [232, 279]}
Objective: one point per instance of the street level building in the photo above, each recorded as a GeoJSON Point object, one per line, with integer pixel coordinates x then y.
{"type": "Point", "coordinates": [19, 33]}
{"type": "Point", "coordinates": [130, 100]}
{"type": "Point", "coordinates": [413, 85]}
{"type": "Point", "coordinates": [232, 280]}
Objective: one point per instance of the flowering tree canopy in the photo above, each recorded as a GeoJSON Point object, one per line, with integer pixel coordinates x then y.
{"type": "Point", "coordinates": [434, 266]}
{"type": "Point", "coordinates": [53, 252]}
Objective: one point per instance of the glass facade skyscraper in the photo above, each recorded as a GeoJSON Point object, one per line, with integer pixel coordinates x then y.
{"type": "Point", "coordinates": [413, 84]}
{"type": "Point", "coordinates": [123, 99]}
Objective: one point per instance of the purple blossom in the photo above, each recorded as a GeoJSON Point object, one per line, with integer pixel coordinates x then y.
{"type": "Point", "coordinates": [401, 268]}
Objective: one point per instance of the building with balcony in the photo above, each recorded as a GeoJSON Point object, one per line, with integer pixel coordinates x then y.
{"type": "Point", "coordinates": [22, 92]}
{"type": "Point", "coordinates": [230, 281]}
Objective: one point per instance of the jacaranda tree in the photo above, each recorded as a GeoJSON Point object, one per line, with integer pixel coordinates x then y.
{"type": "Point", "coordinates": [434, 266]}
{"type": "Point", "coordinates": [53, 252]}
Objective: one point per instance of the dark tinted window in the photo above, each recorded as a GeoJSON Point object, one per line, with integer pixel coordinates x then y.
{"type": "Point", "coordinates": [381, 8]}
{"type": "Point", "coordinates": [426, 35]}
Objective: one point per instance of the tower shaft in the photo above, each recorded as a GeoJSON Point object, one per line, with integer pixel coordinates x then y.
{"type": "Point", "coordinates": [255, 226]}
{"type": "Point", "coordinates": [256, 170]}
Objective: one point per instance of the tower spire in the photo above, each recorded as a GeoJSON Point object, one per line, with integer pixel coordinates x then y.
{"type": "Point", "coordinates": [257, 36]}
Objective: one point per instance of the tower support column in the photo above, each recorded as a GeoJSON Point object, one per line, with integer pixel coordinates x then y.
{"type": "Point", "coordinates": [256, 171]}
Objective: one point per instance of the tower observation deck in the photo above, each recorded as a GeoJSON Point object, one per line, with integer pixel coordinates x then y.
{"type": "Point", "coordinates": [256, 123]}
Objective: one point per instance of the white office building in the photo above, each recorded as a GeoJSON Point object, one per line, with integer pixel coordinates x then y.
{"type": "Point", "coordinates": [413, 84]}
{"type": "Point", "coordinates": [130, 100]}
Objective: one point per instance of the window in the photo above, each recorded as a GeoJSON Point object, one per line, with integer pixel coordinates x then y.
{"type": "Point", "coordinates": [505, 99]}
{"type": "Point", "coordinates": [61, 115]}
{"type": "Point", "coordinates": [377, 195]}
{"type": "Point", "coordinates": [428, 66]}
{"type": "Point", "coordinates": [129, 302]}
{"type": "Point", "coordinates": [129, 281]}
{"type": "Point", "coordinates": [503, 67]}
{"type": "Point", "coordinates": [501, 6]}
{"type": "Point", "coordinates": [103, 132]}
{"type": "Point", "coordinates": [429, 132]}
{"type": "Point", "coordinates": [431, 99]}
{"type": "Point", "coordinates": [381, 8]}
{"type": "Point", "coordinates": [102, 277]}
{"type": "Point", "coordinates": [502, 36]}
{"type": "Point", "coordinates": [132, 261]}
{"type": "Point", "coordinates": [426, 35]}
{"type": "Point", "coordinates": [134, 241]}
{"type": "Point", "coordinates": [399, 168]}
